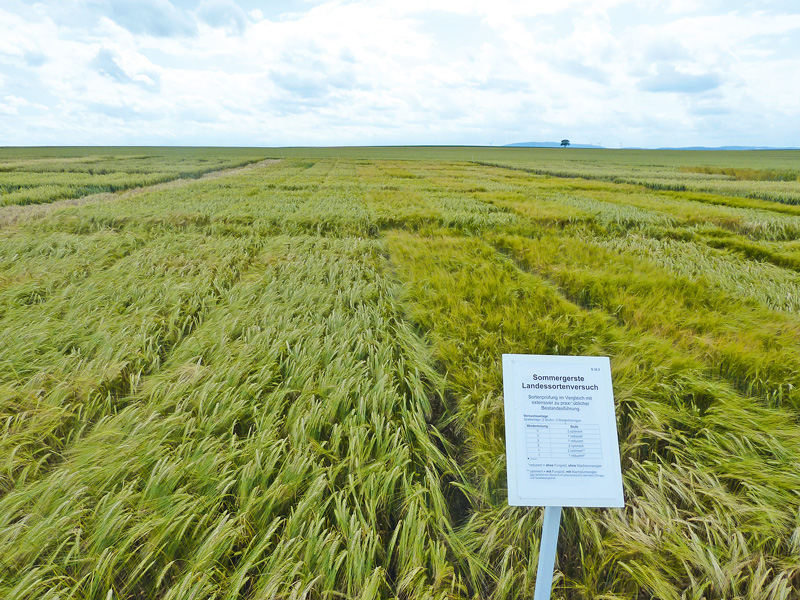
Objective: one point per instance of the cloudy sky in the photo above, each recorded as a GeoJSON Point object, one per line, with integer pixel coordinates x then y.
{"type": "Point", "coordinates": [373, 72]}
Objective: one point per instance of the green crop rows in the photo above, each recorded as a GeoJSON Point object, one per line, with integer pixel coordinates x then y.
{"type": "Point", "coordinates": [39, 176]}
{"type": "Point", "coordinates": [285, 382]}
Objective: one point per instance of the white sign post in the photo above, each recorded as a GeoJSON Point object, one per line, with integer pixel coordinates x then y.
{"type": "Point", "coordinates": [561, 442]}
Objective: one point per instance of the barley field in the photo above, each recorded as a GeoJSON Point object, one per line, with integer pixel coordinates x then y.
{"type": "Point", "coordinates": [284, 380]}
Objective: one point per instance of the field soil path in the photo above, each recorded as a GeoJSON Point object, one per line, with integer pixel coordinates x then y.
{"type": "Point", "coordinates": [11, 214]}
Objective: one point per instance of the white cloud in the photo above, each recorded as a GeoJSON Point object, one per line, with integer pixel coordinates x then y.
{"type": "Point", "coordinates": [225, 14]}
{"type": "Point", "coordinates": [126, 66]}
{"type": "Point", "coordinates": [386, 71]}
{"type": "Point", "coordinates": [10, 105]}
{"type": "Point", "coordinates": [668, 78]}
{"type": "Point", "coordinates": [158, 18]}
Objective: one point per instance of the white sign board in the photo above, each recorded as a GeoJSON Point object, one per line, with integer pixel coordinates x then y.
{"type": "Point", "coordinates": [561, 433]}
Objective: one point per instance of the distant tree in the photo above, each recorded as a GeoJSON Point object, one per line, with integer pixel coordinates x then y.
{"type": "Point", "coordinates": [565, 143]}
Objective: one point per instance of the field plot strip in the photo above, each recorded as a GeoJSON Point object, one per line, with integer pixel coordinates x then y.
{"type": "Point", "coordinates": [35, 267]}
{"type": "Point", "coordinates": [65, 366]}
{"type": "Point", "coordinates": [54, 174]}
{"type": "Point", "coordinates": [14, 213]}
{"type": "Point", "coordinates": [688, 440]}
{"type": "Point", "coordinates": [760, 282]}
{"type": "Point", "coordinates": [757, 354]}
{"type": "Point", "coordinates": [636, 169]}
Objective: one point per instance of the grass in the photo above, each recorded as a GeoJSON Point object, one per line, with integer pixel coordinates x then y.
{"type": "Point", "coordinates": [41, 176]}
{"type": "Point", "coordinates": [285, 382]}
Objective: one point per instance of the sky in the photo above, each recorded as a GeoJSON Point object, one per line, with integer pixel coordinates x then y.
{"type": "Point", "coordinates": [646, 73]}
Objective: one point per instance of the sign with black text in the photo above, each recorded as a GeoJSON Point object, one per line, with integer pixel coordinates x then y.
{"type": "Point", "coordinates": [561, 432]}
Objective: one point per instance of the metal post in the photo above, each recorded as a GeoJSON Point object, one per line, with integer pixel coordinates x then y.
{"type": "Point", "coordinates": [547, 553]}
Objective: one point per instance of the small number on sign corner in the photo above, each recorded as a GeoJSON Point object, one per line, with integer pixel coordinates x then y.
{"type": "Point", "coordinates": [595, 368]}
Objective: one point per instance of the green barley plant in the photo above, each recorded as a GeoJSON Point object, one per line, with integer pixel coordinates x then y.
{"type": "Point", "coordinates": [47, 175]}
{"type": "Point", "coordinates": [762, 282]}
{"type": "Point", "coordinates": [284, 381]}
